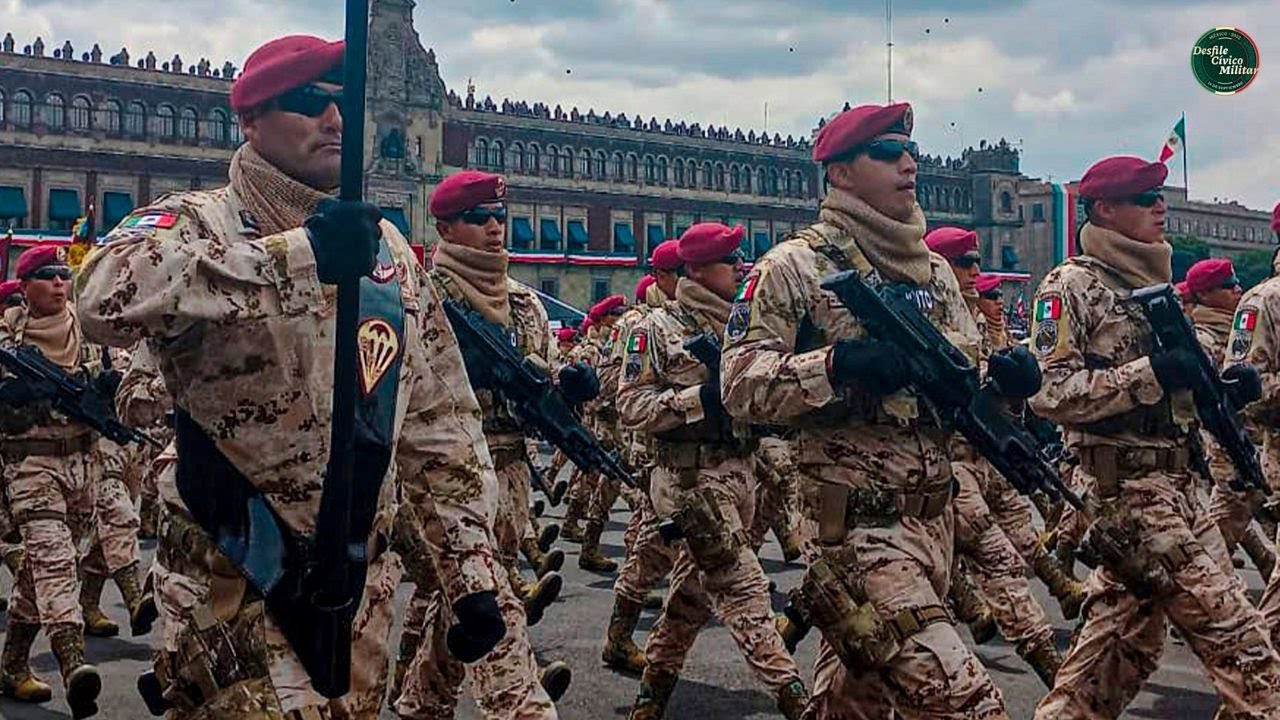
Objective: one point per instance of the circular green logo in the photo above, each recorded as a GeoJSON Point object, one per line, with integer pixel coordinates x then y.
{"type": "Point", "coordinates": [1225, 60]}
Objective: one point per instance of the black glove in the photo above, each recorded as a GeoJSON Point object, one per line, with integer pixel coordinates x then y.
{"type": "Point", "coordinates": [107, 384]}
{"type": "Point", "coordinates": [1014, 372]}
{"type": "Point", "coordinates": [873, 364]}
{"type": "Point", "coordinates": [479, 626]}
{"type": "Point", "coordinates": [344, 237]}
{"type": "Point", "coordinates": [1175, 369]}
{"type": "Point", "coordinates": [579, 382]}
{"type": "Point", "coordinates": [18, 393]}
{"type": "Point", "coordinates": [1244, 384]}
{"type": "Point", "coordinates": [709, 394]}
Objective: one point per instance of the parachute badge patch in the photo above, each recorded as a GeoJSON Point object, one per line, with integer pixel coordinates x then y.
{"type": "Point", "coordinates": [379, 346]}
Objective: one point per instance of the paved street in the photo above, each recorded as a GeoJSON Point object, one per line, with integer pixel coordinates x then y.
{"type": "Point", "coordinates": [715, 684]}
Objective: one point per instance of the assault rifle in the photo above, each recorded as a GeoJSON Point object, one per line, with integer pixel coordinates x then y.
{"type": "Point", "coordinates": [705, 348]}
{"type": "Point", "coordinates": [493, 362]}
{"type": "Point", "coordinates": [72, 396]}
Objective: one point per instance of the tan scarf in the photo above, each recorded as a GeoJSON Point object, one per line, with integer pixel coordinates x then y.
{"type": "Point", "coordinates": [276, 201]}
{"type": "Point", "coordinates": [1217, 320]}
{"type": "Point", "coordinates": [894, 248]}
{"type": "Point", "coordinates": [57, 336]}
{"type": "Point", "coordinates": [1139, 264]}
{"type": "Point", "coordinates": [654, 297]}
{"type": "Point", "coordinates": [712, 309]}
{"type": "Point", "coordinates": [480, 276]}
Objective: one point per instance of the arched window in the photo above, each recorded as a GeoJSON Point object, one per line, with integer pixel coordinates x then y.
{"type": "Point", "coordinates": [615, 172]}
{"type": "Point", "coordinates": [566, 162]}
{"type": "Point", "coordinates": [110, 115]}
{"type": "Point", "coordinates": [480, 153]}
{"type": "Point", "coordinates": [532, 159]}
{"type": "Point", "coordinates": [584, 163]}
{"type": "Point", "coordinates": [553, 160]}
{"type": "Point", "coordinates": [633, 167]}
{"type": "Point", "coordinates": [945, 203]}
{"type": "Point", "coordinates": [650, 169]}
{"type": "Point", "coordinates": [216, 129]}
{"type": "Point", "coordinates": [662, 170]}
{"type": "Point", "coordinates": [517, 157]}
{"type": "Point", "coordinates": [693, 175]}
{"type": "Point", "coordinates": [237, 135]}
{"type": "Point", "coordinates": [602, 165]}
{"type": "Point", "coordinates": [922, 197]}
{"type": "Point", "coordinates": [55, 111]}
{"type": "Point", "coordinates": [803, 185]}
{"type": "Point", "coordinates": [1006, 202]}
{"type": "Point", "coordinates": [678, 172]}
{"type": "Point", "coordinates": [164, 121]}
{"type": "Point", "coordinates": [22, 108]}
{"type": "Point", "coordinates": [789, 182]}
{"type": "Point", "coordinates": [746, 179]}
{"type": "Point", "coordinates": [81, 113]}
{"type": "Point", "coordinates": [762, 182]}
{"type": "Point", "coordinates": [708, 175]}
{"type": "Point", "coordinates": [187, 122]}
{"type": "Point", "coordinates": [958, 204]}
{"type": "Point", "coordinates": [497, 159]}
{"type": "Point", "coordinates": [2, 115]}
{"type": "Point", "coordinates": [773, 181]}
{"type": "Point", "coordinates": [735, 178]}
{"type": "Point", "coordinates": [135, 119]}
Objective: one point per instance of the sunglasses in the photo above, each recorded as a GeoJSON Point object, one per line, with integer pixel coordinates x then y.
{"type": "Point", "coordinates": [991, 295]}
{"type": "Point", "coordinates": [889, 150]}
{"type": "Point", "coordinates": [50, 272]}
{"type": "Point", "coordinates": [308, 100]}
{"type": "Point", "coordinates": [481, 216]}
{"type": "Point", "coordinates": [1231, 283]}
{"type": "Point", "coordinates": [965, 262]}
{"type": "Point", "coordinates": [733, 259]}
{"type": "Point", "coordinates": [1147, 199]}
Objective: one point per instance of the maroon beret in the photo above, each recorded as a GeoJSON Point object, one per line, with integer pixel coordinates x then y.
{"type": "Point", "coordinates": [986, 283]}
{"type": "Point", "coordinates": [1209, 274]}
{"type": "Point", "coordinates": [709, 241]}
{"type": "Point", "coordinates": [1184, 291]}
{"type": "Point", "coordinates": [1121, 176]}
{"type": "Point", "coordinates": [856, 126]}
{"type": "Point", "coordinates": [643, 286]}
{"type": "Point", "coordinates": [666, 256]}
{"type": "Point", "coordinates": [566, 335]}
{"type": "Point", "coordinates": [33, 259]}
{"type": "Point", "coordinates": [464, 190]}
{"type": "Point", "coordinates": [611, 304]}
{"type": "Point", "coordinates": [1275, 218]}
{"type": "Point", "coordinates": [282, 65]}
{"type": "Point", "coordinates": [8, 289]}
{"type": "Point", "coordinates": [953, 242]}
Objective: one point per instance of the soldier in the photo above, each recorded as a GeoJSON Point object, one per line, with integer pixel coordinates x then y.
{"type": "Point", "coordinates": [10, 552]}
{"type": "Point", "coordinates": [1126, 411]}
{"type": "Point", "coordinates": [1216, 293]}
{"type": "Point", "coordinates": [11, 294]}
{"type": "Point", "coordinates": [703, 477]}
{"type": "Point", "coordinates": [876, 472]}
{"type": "Point", "coordinates": [233, 290]}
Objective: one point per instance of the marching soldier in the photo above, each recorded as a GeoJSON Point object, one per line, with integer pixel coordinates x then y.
{"type": "Point", "coordinates": [876, 472]}
{"type": "Point", "coordinates": [1127, 413]}
{"type": "Point", "coordinates": [233, 289]}
{"type": "Point", "coordinates": [703, 478]}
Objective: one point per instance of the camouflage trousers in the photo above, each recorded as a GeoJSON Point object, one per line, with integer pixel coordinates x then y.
{"type": "Point", "coordinates": [734, 589]}
{"type": "Point", "coordinates": [52, 502]}
{"type": "Point", "coordinates": [512, 521]}
{"type": "Point", "coordinates": [115, 539]}
{"type": "Point", "coordinates": [505, 683]}
{"type": "Point", "coordinates": [648, 560]}
{"type": "Point", "coordinates": [998, 568]}
{"type": "Point", "coordinates": [1120, 643]}
{"type": "Point", "coordinates": [905, 565]}
{"type": "Point", "coordinates": [258, 675]}
{"type": "Point", "coordinates": [777, 495]}
{"type": "Point", "coordinates": [1013, 512]}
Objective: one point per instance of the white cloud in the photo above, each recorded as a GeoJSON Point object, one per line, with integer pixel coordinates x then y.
{"type": "Point", "coordinates": [1062, 102]}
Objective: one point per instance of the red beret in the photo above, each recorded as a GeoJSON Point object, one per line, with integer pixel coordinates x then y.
{"type": "Point", "coordinates": [709, 241]}
{"type": "Point", "coordinates": [667, 255]}
{"type": "Point", "coordinates": [282, 65]}
{"type": "Point", "coordinates": [953, 242]}
{"type": "Point", "coordinates": [587, 322]}
{"type": "Point", "coordinates": [1121, 176]}
{"type": "Point", "coordinates": [1209, 274]}
{"type": "Point", "coordinates": [986, 283]}
{"type": "Point", "coordinates": [37, 257]}
{"type": "Point", "coordinates": [613, 303]}
{"type": "Point", "coordinates": [856, 126]}
{"type": "Point", "coordinates": [464, 190]}
{"type": "Point", "coordinates": [1184, 292]}
{"type": "Point", "coordinates": [643, 286]}
{"type": "Point", "coordinates": [566, 334]}
{"type": "Point", "coordinates": [8, 289]}
{"type": "Point", "coordinates": [1275, 218]}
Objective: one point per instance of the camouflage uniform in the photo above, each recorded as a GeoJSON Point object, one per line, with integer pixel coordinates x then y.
{"type": "Point", "coordinates": [202, 275]}
{"type": "Point", "coordinates": [777, 498]}
{"type": "Point", "coordinates": [698, 459]}
{"type": "Point", "coordinates": [881, 447]}
{"type": "Point", "coordinates": [1131, 436]}
{"type": "Point", "coordinates": [144, 403]}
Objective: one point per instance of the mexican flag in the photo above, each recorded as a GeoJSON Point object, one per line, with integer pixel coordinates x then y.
{"type": "Point", "coordinates": [1176, 140]}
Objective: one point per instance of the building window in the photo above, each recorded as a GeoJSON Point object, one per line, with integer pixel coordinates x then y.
{"type": "Point", "coordinates": [217, 126]}
{"type": "Point", "coordinates": [602, 165]}
{"type": "Point", "coordinates": [2, 115]}
{"type": "Point", "coordinates": [549, 229]}
{"type": "Point", "coordinates": [480, 153]}
{"type": "Point", "coordinates": [735, 178]}
{"type": "Point", "coordinates": [13, 206]}
{"type": "Point", "coordinates": [650, 170]}
{"type": "Point", "coordinates": [566, 162]}
{"type": "Point", "coordinates": [773, 181]}
{"type": "Point", "coordinates": [549, 287]}
{"type": "Point", "coordinates": [22, 108]}
{"type": "Point", "coordinates": [116, 206]}
{"type": "Point", "coordinates": [708, 175]}
{"type": "Point", "coordinates": [599, 289]}
{"type": "Point", "coordinates": [64, 208]}
{"type": "Point", "coordinates": [678, 173]}
{"type": "Point", "coordinates": [1008, 257]}
{"type": "Point", "coordinates": [662, 171]}
{"type": "Point", "coordinates": [803, 183]}
{"type": "Point", "coordinates": [497, 158]}
{"type": "Point", "coordinates": [615, 172]}
{"type": "Point", "coordinates": [135, 120]}
{"type": "Point", "coordinates": [532, 160]}
{"type": "Point", "coordinates": [1006, 201]}
{"type": "Point", "coordinates": [655, 234]}
{"type": "Point", "coordinates": [624, 241]}
{"type": "Point", "coordinates": [1037, 212]}
{"type": "Point", "coordinates": [109, 116]}
{"type": "Point", "coordinates": [584, 163]}
{"type": "Point", "coordinates": [55, 114]}
{"type": "Point", "coordinates": [760, 243]}
{"type": "Point", "coordinates": [521, 233]}
{"type": "Point", "coordinates": [553, 160]}
{"type": "Point", "coordinates": [165, 121]}
{"type": "Point", "coordinates": [578, 239]}
{"type": "Point", "coordinates": [633, 168]}
{"type": "Point", "coordinates": [81, 113]}
{"type": "Point", "coordinates": [187, 123]}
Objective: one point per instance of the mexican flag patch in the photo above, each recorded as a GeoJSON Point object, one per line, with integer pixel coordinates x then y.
{"type": "Point", "coordinates": [638, 343]}
{"type": "Point", "coordinates": [748, 289]}
{"type": "Point", "coordinates": [1048, 308]}
{"type": "Point", "coordinates": [1246, 320]}
{"type": "Point", "coordinates": [155, 219]}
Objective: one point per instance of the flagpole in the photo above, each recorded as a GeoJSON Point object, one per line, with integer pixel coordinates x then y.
{"type": "Point", "coordinates": [1186, 187]}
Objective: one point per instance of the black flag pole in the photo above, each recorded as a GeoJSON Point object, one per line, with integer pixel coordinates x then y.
{"type": "Point", "coordinates": [334, 589]}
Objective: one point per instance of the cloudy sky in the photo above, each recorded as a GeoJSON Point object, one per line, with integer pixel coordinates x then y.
{"type": "Point", "coordinates": [1071, 82]}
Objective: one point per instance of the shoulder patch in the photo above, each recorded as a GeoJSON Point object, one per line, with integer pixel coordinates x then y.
{"type": "Point", "coordinates": [637, 345]}
{"type": "Point", "coordinates": [1242, 328]}
{"type": "Point", "coordinates": [748, 289]}
{"type": "Point", "coordinates": [157, 219]}
{"type": "Point", "coordinates": [739, 320]}
{"type": "Point", "coordinates": [1048, 330]}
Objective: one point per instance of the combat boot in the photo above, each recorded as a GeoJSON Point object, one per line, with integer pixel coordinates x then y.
{"type": "Point", "coordinates": [1045, 659]}
{"type": "Point", "coordinates": [558, 491]}
{"type": "Point", "coordinates": [590, 558]}
{"type": "Point", "coordinates": [538, 596]}
{"type": "Point", "coordinates": [13, 559]}
{"type": "Point", "coordinates": [555, 679]}
{"type": "Point", "coordinates": [1065, 551]}
{"type": "Point", "coordinates": [16, 679]}
{"type": "Point", "coordinates": [656, 687]}
{"type": "Point", "coordinates": [570, 529]}
{"type": "Point", "coordinates": [654, 601]}
{"type": "Point", "coordinates": [620, 649]}
{"type": "Point", "coordinates": [793, 699]}
{"type": "Point", "coordinates": [141, 604]}
{"type": "Point", "coordinates": [971, 609]}
{"type": "Point", "coordinates": [541, 562]}
{"type": "Point", "coordinates": [80, 679]}
{"type": "Point", "coordinates": [148, 517]}
{"type": "Point", "coordinates": [548, 536]}
{"type": "Point", "coordinates": [791, 630]}
{"type": "Point", "coordinates": [1258, 551]}
{"type": "Point", "coordinates": [96, 622]}
{"type": "Point", "coordinates": [1068, 591]}
{"type": "Point", "coordinates": [409, 644]}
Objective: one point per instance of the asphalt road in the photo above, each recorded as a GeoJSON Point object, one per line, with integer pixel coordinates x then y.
{"type": "Point", "coordinates": [715, 684]}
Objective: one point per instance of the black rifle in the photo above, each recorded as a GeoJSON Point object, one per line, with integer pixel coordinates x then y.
{"type": "Point", "coordinates": [946, 379]}
{"type": "Point", "coordinates": [72, 397]}
{"type": "Point", "coordinates": [705, 348]}
{"type": "Point", "coordinates": [535, 478]}
{"type": "Point", "coordinates": [495, 363]}
{"type": "Point", "coordinates": [1170, 329]}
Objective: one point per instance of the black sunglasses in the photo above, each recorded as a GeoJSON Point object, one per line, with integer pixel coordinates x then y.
{"type": "Point", "coordinates": [1147, 199]}
{"type": "Point", "coordinates": [50, 272]}
{"type": "Point", "coordinates": [733, 259]}
{"type": "Point", "coordinates": [889, 150]}
{"type": "Point", "coordinates": [991, 295]}
{"type": "Point", "coordinates": [481, 216]}
{"type": "Point", "coordinates": [308, 100]}
{"type": "Point", "coordinates": [965, 262]}
{"type": "Point", "coordinates": [1231, 283]}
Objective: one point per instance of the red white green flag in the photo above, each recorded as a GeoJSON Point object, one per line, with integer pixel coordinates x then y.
{"type": "Point", "coordinates": [1176, 140]}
